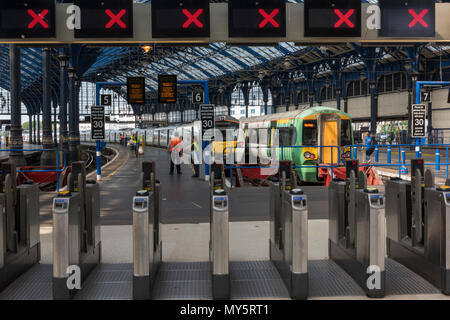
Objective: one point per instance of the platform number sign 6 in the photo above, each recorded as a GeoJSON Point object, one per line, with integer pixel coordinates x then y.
{"type": "Point", "coordinates": [425, 96]}
{"type": "Point", "coordinates": [197, 97]}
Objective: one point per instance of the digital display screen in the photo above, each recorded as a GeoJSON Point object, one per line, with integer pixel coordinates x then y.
{"type": "Point", "coordinates": [105, 19]}
{"type": "Point", "coordinates": [407, 18]}
{"type": "Point", "coordinates": [180, 18]}
{"type": "Point", "coordinates": [167, 88]}
{"type": "Point", "coordinates": [136, 90]}
{"type": "Point", "coordinates": [30, 19]}
{"type": "Point", "coordinates": [332, 18]}
{"type": "Point", "coordinates": [256, 18]}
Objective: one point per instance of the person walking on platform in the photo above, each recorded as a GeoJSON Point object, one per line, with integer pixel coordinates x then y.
{"type": "Point", "coordinates": [136, 145]}
{"type": "Point", "coordinates": [369, 142]}
{"type": "Point", "coordinates": [174, 146]}
{"type": "Point", "coordinates": [195, 157]}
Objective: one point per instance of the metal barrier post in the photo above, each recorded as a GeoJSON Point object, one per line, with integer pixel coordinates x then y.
{"type": "Point", "coordinates": [418, 152]}
{"type": "Point", "coordinates": [438, 159]}
{"type": "Point", "coordinates": [141, 246]}
{"type": "Point", "coordinates": [219, 245]}
{"type": "Point", "coordinates": [403, 169]}
{"type": "Point", "coordinates": [355, 153]}
{"type": "Point", "coordinates": [99, 160]}
{"type": "Point", "coordinates": [389, 154]}
{"type": "Point", "coordinates": [377, 154]}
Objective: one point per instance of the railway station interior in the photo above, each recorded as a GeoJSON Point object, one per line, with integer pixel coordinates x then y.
{"type": "Point", "coordinates": [225, 150]}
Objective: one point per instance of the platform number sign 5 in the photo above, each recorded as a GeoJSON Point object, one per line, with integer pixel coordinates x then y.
{"type": "Point", "coordinates": [425, 96]}
{"type": "Point", "coordinates": [105, 99]}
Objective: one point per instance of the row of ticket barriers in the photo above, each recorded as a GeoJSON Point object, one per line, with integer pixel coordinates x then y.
{"type": "Point", "coordinates": [408, 223]}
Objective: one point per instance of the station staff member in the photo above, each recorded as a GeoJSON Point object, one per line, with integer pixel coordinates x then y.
{"type": "Point", "coordinates": [174, 145]}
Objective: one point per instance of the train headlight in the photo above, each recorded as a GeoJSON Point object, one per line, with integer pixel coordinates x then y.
{"type": "Point", "coordinates": [347, 155]}
{"type": "Point", "coordinates": [307, 155]}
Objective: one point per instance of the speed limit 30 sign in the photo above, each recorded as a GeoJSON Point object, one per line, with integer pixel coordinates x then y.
{"type": "Point", "coordinates": [207, 117]}
{"type": "Point", "coordinates": [419, 116]}
{"type": "Point", "coordinates": [98, 123]}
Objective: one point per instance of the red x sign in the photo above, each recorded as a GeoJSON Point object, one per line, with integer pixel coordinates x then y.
{"type": "Point", "coordinates": [344, 18]}
{"type": "Point", "coordinates": [192, 18]}
{"type": "Point", "coordinates": [115, 19]}
{"type": "Point", "coordinates": [418, 18]}
{"type": "Point", "coordinates": [38, 18]}
{"type": "Point", "coordinates": [268, 18]}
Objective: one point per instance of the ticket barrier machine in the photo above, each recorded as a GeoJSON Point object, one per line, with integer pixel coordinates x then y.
{"type": "Point", "coordinates": [19, 226]}
{"type": "Point", "coordinates": [147, 245]}
{"type": "Point", "coordinates": [418, 225]}
{"type": "Point", "coordinates": [76, 232]}
{"type": "Point", "coordinates": [289, 231]}
{"type": "Point", "coordinates": [219, 247]}
{"type": "Point", "coordinates": [357, 230]}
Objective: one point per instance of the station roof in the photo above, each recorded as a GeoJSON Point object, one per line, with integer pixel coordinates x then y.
{"type": "Point", "coordinates": [221, 63]}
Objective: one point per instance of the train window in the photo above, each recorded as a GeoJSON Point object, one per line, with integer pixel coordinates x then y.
{"type": "Point", "coordinates": [346, 133]}
{"type": "Point", "coordinates": [309, 133]}
{"type": "Point", "coordinates": [287, 136]}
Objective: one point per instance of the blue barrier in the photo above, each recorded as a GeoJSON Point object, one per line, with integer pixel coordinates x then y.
{"type": "Point", "coordinates": [58, 171]}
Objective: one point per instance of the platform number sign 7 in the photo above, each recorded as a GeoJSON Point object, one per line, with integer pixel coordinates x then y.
{"type": "Point", "coordinates": [425, 96]}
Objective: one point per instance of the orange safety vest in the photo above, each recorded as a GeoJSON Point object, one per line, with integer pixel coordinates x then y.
{"type": "Point", "coordinates": [173, 143]}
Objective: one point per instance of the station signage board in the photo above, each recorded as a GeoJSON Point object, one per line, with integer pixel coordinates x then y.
{"type": "Point", "coordinates": [136, 90]}
{"type": "Point", "coordinates": [407, 18]}
{"type": "Point", "coordinates": [167, 88]}
{"type": "Point", "coordinates": [419, 115]}
{"type": "Point", "coordinates": [207, 118]}
{"type": "Point", "coordinates": [98, 123]}
{"type": "Point", "coordinates": [256, 18]}
{"type": "Point", "coordinates": [105, 19]}
{"type": "Point", "coordinates": [332, 18]}
{"type": "Point", "coordinates": [27, 19]}
{"type": "Point", "coordinates": [180, 18]}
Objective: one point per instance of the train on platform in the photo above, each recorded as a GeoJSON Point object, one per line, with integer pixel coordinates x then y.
{"type": "Point", "coordinates": [311, 138]}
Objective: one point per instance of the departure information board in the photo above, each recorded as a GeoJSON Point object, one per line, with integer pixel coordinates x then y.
{"type": "Point", "coordinates": [105, 19]}
{"type": "Point", "coordinates": [136, 90]}
{"type": "Point", "coordinates": [27, 19]}
{"type": "Point", "coordinates": [257, 18]}
{"type": "Point", "coordinates": [180, 18]}
{"type": "Point", "coordinates": [167, 88]}
{"type": "Point", "coordinates": [332, 18]}
{"type": "Point", "coordinates": [407, 18]}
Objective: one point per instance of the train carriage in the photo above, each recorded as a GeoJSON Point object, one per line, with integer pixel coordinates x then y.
{"type": "Point", "coordinates": [312, 137]}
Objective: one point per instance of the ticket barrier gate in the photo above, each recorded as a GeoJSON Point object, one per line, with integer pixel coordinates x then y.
{"type": "Point", "coordinates": [418, 225]}
{"type": "Point", "coordinates": [19, 226]}
{"type": "Point", "coordinates": [147, 245]}
{"type": "Point", "coordinates": [219, 244]}
{"type": "Point", "coordinates": [289, 231]}
{"type": "Point", "coordinates": [357, 230]}
{"type": "Point", "coordinates": [76, 233]}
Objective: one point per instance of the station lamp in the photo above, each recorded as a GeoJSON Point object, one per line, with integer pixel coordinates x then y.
{"type": "Point", "coordinates": [147, 48]}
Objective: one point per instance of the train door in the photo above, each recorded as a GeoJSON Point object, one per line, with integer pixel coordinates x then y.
{"type": "Point", "coordinates": [330, 154]}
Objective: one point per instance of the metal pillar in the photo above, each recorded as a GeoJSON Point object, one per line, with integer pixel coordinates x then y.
{"type": "Point", "coordinates": [338, 98]}
{"type": "Point", "coordinates": [311, 98]}
{"type": "Point", "coordinates": [55, 121]}
{"type": "Point", "coordinates": [72, 116]}
{"type": "Point", "coordinates": [16, 143]}
{"type": "Point", "coordinates": [39, 128]}
{"type": "Point", "coordinates": [346, 105]}
{"type": "Point", "coordinates": [63, 139]}
{"type": "Point", "coordinates": [373, 106]}
{"type": "Point", "coordinates": [47, 157]}
{"type": "Point", "coordinates": [34, 129]}
{"type": "Point", "coordinates": [30, 128]}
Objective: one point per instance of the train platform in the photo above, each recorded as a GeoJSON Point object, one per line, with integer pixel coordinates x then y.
{"type": "Point", "coordinates": [185, 272]}
{"type": "Point", "coordinates": [4, 155]}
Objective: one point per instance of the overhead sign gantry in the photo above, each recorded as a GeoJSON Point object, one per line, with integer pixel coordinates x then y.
{"type": "Point", "coordinates": [235, 22]}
